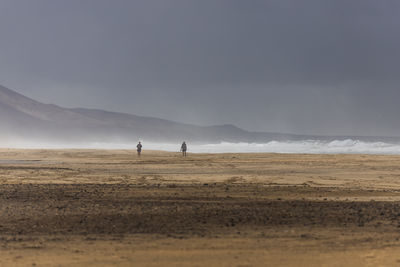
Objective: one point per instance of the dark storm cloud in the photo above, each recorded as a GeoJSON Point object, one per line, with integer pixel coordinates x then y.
{"type": "Point", "coordinates": [329, 67]}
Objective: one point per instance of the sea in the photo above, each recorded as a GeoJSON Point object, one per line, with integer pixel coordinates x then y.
{"type": "Point", "coordinates": [344, 146]}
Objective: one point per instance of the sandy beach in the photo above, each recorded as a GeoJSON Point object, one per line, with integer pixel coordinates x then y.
{"type": "Point", "coordinates": [108, 207]}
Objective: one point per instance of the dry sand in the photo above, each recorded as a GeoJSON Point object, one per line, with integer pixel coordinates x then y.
{"type": "Point", "coordinates": [103, 207]}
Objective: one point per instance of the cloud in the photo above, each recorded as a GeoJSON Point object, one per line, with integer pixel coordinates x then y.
{"type": "Point", "coordinates": [327, 67]}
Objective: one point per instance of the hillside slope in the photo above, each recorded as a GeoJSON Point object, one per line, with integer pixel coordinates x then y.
{"type": "Point", "coordinates": [23, 117]}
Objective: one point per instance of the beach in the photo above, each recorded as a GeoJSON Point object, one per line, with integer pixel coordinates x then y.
{"type": "Point", "coordinates": [76, 207]}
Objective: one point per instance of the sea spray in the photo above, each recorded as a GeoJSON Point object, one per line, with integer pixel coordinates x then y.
{"type": "Point", "coordinates": [346, 146]}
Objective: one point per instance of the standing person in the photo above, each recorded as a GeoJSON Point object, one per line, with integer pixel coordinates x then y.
{"type": "Point", "coordinates": [183, 148]}
{"type": "Point", "coordinates": [139, 149]}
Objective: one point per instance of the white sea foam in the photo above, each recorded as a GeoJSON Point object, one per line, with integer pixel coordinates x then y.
{"type": "Point", "coordinates": [347, 146]}
{"type": "Point", "coordinates": [306, 146]}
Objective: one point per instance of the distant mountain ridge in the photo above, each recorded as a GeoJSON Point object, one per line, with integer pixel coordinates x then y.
{"type": "Point", "coordinates": [24, 118]}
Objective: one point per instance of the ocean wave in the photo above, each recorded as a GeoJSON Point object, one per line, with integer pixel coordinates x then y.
{"type": "Point", "coordinates": [347, 146]}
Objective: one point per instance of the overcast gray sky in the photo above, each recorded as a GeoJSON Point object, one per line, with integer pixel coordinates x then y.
{"type": "Point", "coordinates": [315, 67]}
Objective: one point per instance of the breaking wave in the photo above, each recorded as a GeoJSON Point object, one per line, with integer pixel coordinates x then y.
{"type": "Point", "coordinates": [348, 146]}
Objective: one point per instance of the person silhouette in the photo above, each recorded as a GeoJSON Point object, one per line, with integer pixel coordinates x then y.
{"type": "Point", "coordinates": [184, 148]}
{"type": "Point", "coordinates": [139, 149]}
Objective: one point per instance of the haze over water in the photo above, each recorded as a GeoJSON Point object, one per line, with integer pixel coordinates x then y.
{"type": "Point", "coordinates": [347, 146]}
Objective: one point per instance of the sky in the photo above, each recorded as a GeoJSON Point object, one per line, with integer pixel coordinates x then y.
{"type": "Point", "coordinates": [307, 67]}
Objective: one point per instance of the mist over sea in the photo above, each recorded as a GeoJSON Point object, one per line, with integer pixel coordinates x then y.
{"type": "Point", "coordinates": [346, 146]}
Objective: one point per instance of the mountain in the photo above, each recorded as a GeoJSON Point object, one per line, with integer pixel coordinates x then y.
{"type": "Point", "coordinates": [22, 118]}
